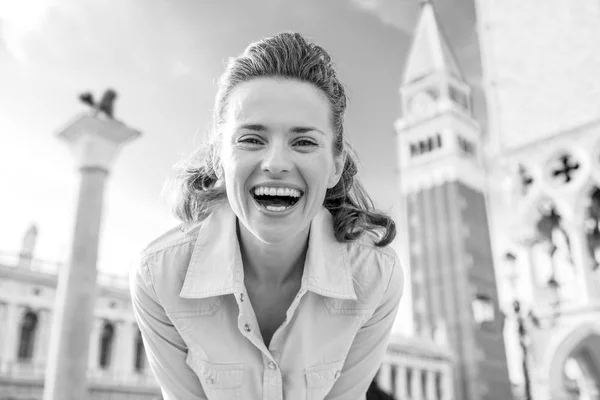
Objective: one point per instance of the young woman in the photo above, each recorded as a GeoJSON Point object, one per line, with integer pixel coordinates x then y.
{"type": "Point", "coordinates": [278, 284]}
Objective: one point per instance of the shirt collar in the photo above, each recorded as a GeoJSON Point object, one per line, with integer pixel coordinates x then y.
{"type": "Point", "coordinates": [215, 267]}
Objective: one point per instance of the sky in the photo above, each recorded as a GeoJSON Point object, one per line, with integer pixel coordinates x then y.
{"type": "Point", "coordinates": [163, 58]}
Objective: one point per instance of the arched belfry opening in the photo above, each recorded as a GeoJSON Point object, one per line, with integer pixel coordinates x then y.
{"type": "Point", "coordinates": [575, 369]}
{"type": "Point", "coordinates": [106, 344]}
{"type": "Point", "coordinates": [28, 330]}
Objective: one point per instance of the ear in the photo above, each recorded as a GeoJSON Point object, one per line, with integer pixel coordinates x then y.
{"type": "Point", "coordinates": [338, 168]}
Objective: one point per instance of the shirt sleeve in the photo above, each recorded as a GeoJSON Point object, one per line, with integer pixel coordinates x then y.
{"type": "Point", "coordinates": [370, 344]}
{"type": "Point", "coordinates": [165, 349]}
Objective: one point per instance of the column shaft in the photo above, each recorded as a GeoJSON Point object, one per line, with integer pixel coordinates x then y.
{"type": "Point", "coordinates": [400, 382]}
{"type": "Point", "coordinates": [66, 373]}
{"type": "Point", "coordinates": [384, 377]}
{"type": "Point", "coordinates": [11, 345]}
{"type": "Point", "coordinates": [417, 393]}
{"type": "Point", "coordinates": [42, 337]}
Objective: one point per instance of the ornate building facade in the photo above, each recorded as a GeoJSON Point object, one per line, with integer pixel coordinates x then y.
{"type": "Point", "coordinates": [117, 364]}
{"type": "Point", "coordinates": [540, 63]}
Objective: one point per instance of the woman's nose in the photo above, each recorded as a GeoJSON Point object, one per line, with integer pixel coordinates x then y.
{"type": "Point", "coordinates": [277, 159]}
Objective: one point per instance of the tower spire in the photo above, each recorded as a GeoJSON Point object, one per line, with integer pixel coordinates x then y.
{"type": "Point", "coordinates": [429, 52]}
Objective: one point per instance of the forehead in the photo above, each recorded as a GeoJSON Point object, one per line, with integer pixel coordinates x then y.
{"type": "Point", "coordinates": [274, 101]}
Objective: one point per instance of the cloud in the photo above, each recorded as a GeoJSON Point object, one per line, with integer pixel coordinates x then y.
{"type": "Point", "coordinates": [19, 20]}
{"type": "Point", "coordinates": [400, 14]}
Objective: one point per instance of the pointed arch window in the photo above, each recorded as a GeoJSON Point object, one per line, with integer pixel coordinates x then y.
{"type": "Point", "coordinates": [140, 354]}
{"type": "Point", "coordinates": [27, 340]}
{"type": "Point", "coordinates": [106, 344]}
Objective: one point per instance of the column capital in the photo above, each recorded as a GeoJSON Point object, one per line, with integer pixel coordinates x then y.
{"type": "Point", "coordinates": [95, 141]}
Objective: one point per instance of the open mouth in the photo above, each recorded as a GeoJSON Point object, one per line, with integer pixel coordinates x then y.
{"type": "Point", "coordinates": [276, 199]}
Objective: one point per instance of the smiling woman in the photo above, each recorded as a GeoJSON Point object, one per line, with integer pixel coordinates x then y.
{"type": "Point", "coordinates": [279, 282]}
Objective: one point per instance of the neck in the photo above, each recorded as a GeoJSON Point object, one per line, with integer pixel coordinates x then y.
{"type": "Point", "coordinates": [272, 264]}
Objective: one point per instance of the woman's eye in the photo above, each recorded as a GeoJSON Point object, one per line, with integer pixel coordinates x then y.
{"type": "Point", "coordinates": [305, 143]}
{"type": "Point", "coordinates": [250, 140]}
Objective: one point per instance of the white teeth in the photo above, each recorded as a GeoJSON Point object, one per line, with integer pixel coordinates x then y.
{"type": "Point", "coordinates": [273, 208]}
{"type": "Point", "coordinates": [266, 191]}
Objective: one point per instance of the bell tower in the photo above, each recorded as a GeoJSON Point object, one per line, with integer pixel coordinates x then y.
{"type": "Point", "coordinates": [442, 179]}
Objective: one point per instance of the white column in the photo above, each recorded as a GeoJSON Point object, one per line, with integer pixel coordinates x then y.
{"type": "Point", "coordinates": [123, 361]}
{"type": "Point", "coordinates": [4, 324]}
{"type": "Point", "coordinates": [430, 392]}
{"type": "Point", "coordinates": [95, 345]}
{"type": "Point", "coordinates": [3, 335]}
{"type": "Point", "coordinates": [42, 337]}
{"type": "Point", "coordinates": [582, 264]}
{"type": "Point", "coordinates": [400, 382]}
{"type": "Point", "coordinates": [416, 384]}
{"type": "Point", "coordinates": [384, 377]}
{"type": "Point", "coordinates": [129, 348]}
{"type": "Point", "coordinates": [95, 140]}
{"type": "Point", "coordinates": [447, 386]}
{"type": "Point", "coordinates": [14, 318]}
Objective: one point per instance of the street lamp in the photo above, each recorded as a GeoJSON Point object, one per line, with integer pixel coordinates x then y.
{"type": "Point", "coordinates": [523, 317]}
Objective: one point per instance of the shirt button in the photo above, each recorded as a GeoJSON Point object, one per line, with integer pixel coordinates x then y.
{"type": "Point", "coordinates": [272, 365]}
{"type": "Point", "coordinates": [247, 328]}
{"type": "Point", "coordinates": [337, 374]}
{"type": "Point", "coordinates": [242, 297]}
{"type": "Point", "coordinates": [210, 380]}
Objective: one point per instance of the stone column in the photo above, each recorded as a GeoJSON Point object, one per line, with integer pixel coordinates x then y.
{"type": "Point", "coordinates": [42, 337]}
{"type": "Point", "coordinates": [3, 334]}
{"type": "Point", "coordinates": [95, 345]}
{"type": "Point", "coordinates": [447, 379]}
{"type": "Point", "coordinates": [127, 351]}
{"type": "Point", "coordinates": [417, 393]}
{"type": "Point", "coordinates": [400, 382]}
{"type": "Point", "coordinates": [586, 280]}
{"type": "Point", "coordinates": [384, 377]}
{"type": "Point", "coordinates": [11, 345]}
{"type": "Point", "coordinates": [430, 392]}
{"type": "Point", "coordinates": [95, 141]}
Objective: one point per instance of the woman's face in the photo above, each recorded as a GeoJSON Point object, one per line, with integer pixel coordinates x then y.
{"type": "Point", "coordinates": [277, 156]}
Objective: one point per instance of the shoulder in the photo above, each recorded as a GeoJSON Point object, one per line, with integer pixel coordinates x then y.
{"type": "Point", "coordinates": [177, 237]}
{"type": "Point", "coordinates": [371, 263]}
{"type": "Point", "coordinates": [364, 249]}
{"type": "Point", "coordinates": [164, 261]}
{"type": "Point", "coordinates": [169, 254]}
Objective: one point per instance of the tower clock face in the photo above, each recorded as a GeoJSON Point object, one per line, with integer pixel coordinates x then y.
{"type": "Point", "coordinates": [422, 103]}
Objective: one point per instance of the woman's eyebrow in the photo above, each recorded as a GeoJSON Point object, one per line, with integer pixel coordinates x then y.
{"type": "Point", "coordinates": [295, 129]}
{"type": "Point", "coordinates": [304, 129]}
{"type": "Point", "coordinates": [253, 127]}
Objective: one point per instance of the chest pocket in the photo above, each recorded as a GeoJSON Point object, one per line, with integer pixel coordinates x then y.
{"type": "Point", "coordinates": [320, 379]}
{"type": "Point", "coordinates": [219, 381]}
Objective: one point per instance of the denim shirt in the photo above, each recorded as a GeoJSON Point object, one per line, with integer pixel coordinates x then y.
{"type": "Point", "coordinates": [202, 338]}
